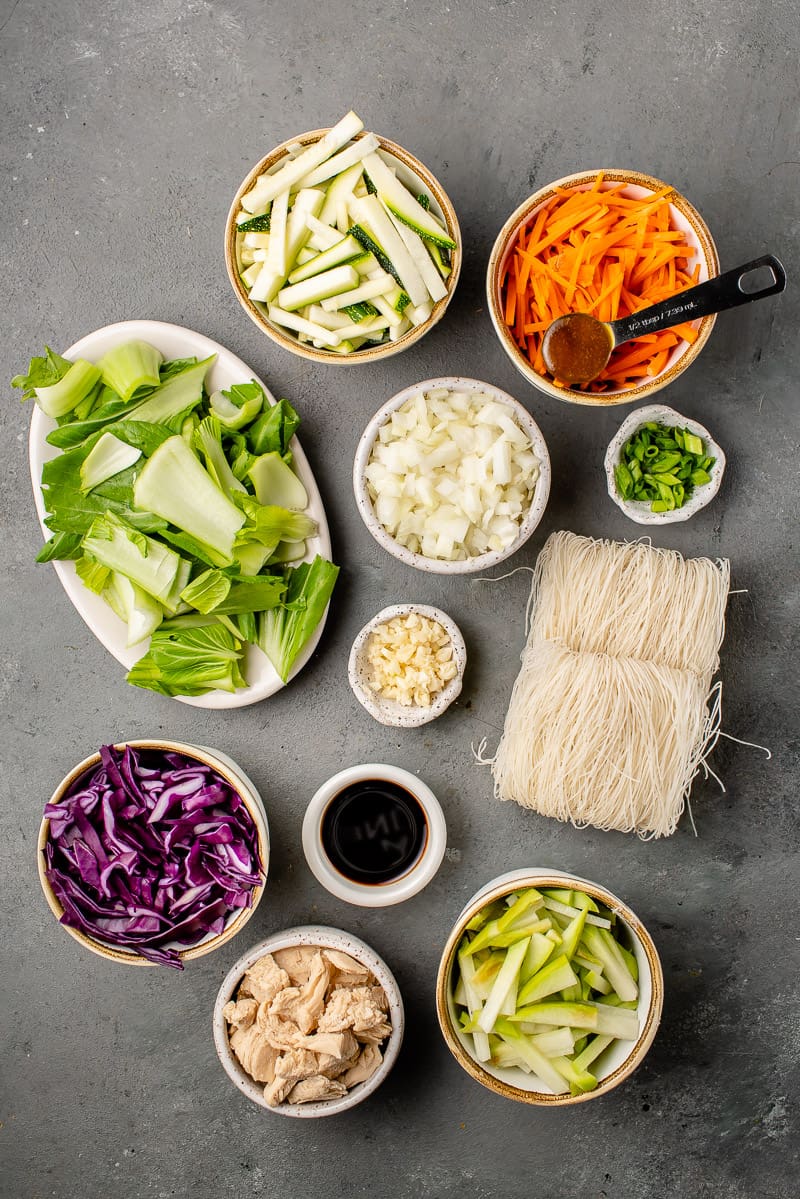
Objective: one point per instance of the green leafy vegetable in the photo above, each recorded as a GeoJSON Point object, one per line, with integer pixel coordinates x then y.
{"type": "Point", "coordinates": [274, 430]}
{"type": "Point", "coordinates": [190, 661]}
{"type": "Point", "coordinates": [130, 367]}
{"type": "Point", "coordinates": [239, 406]}
{"type": "Point", "coordinates": [107, 457]}
{"type": "Point", "coordinates": [42, 372]}
{"type": "Point", "coordinates": [284, 632]}
{"type": "Point", "coordinates": [146, 562]}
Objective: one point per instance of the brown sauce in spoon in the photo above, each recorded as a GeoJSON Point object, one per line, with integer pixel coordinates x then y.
{"type": "Point", "coordinates": [577, 347]}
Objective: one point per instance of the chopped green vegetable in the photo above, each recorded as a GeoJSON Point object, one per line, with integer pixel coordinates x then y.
{"type": "Point", "coordinates": [190, 661]}
{"type": "Point", "coordinates": [145, 561]}
{"type": "Point", "coordinates": [107, 457]}
{"type": "Point", "coordinates": [239, 406]}
{"type": "Point", "coordinates": [256, 224]}
{"type": "Point", "coordinates": [130, 367]}
{"type": "Point", "coordinates": [284, 632]}
{"type": "Point", "coordinates": [661, 465]}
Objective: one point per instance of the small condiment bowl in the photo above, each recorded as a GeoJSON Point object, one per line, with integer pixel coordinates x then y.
{"type": "Point", "coordinates": [620, 1059]}
{"type": "Point", "coordinates": [389, 711]}
{"type": "Point", "coordinates": [685, 217]}
{"type": "Point", "coordinates": [639, 510]}
{"type": "Point", "coordinates": [326, 938]}
{"type": "Point", "coordinates": [241, 784]}
{"type": "Point", "coordinates": [374, 895]}
{"type": "Point", "coordinates": [409, 170]}
{"type": "Point", "coordinates": [480, 562]}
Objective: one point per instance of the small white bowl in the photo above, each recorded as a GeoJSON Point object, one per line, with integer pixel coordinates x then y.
{"type": "Point", "coordinates": [374, 895]}
{"type": "Point", "coordinates": [436, 565]}
{"type": "Point", "coordinates": [327, 938]}
{"type": "Point", "coordinates": [389, 711]}
{"type": "Point", "coordinates": [639, 510]}
{"type": "Point", "coordinates": [620, 1059]}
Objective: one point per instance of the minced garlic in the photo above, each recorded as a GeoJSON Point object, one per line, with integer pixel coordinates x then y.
{"type": "Point", "coordinates": [411, 659]}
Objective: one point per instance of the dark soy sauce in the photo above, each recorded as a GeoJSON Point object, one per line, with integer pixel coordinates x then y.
{"type": "Point", "coordinates": [374, 831]}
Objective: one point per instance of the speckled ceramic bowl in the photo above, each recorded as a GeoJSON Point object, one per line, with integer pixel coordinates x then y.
{"type": "Point", "coordinates": [684, 217]}
{"type": "Point", "coordinates": [410, 171]}
{"type": "Point", "coordinates": [389, 711]}
{"type": "Point", "coordinates": [639, 510]}
{"type": "Point", "coordinates": [618, 1061]}
{"type": "Point", "coordinates": [244, 787]}
{"type": "Point", "coordinates": [437, 565]}
{"type": "Point", "coordinates": [327, 938]}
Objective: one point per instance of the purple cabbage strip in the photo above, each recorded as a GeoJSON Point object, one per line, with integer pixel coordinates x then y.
{"type": "Point", "coordinates": [149, 851]}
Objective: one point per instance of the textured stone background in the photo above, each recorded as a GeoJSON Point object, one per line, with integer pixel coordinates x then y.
{"type": "Point", "coordinates": [126, 129]}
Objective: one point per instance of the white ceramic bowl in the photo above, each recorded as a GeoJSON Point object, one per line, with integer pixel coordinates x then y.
{"type": "Point", "coordinates": [435, 565]}
{"type": "Point", "coordinates": [237, 919]}
{"type": "Point", "coordinates": [684, 216]}
{"type": "Point", "coordinates": [619, 1060]}
{"type": "Point", "coordinates": [378, 895]}
{"type": "Point", "coordinates": [328, 938]}
{"type": "Point", "coordinates": [389, 711]}
{"type": "Point", "coordinates": [639, 510]}
{"type": "Point", "coordinates": [411, 172]}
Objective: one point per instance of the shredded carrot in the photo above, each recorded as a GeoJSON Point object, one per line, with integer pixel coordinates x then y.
{"type": "Point", "coordinates": [603, 252]}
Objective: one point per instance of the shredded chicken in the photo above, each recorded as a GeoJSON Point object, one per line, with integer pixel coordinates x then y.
{"type": "Point", "coordinates": [308, 1022]}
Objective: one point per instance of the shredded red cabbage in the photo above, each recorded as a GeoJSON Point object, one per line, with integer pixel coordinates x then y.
{"type": "Point", "coordinates": [151, 851]}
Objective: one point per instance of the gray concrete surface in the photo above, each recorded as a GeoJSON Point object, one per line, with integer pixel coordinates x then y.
{"type": "Point", "coordinates": [126, 128]}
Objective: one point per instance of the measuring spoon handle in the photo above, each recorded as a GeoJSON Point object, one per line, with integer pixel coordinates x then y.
{"type": "Point", "coordinates": [722, 292]}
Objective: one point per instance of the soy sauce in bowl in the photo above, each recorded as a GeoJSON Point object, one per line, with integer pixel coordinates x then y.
{"type": "Point", "coordinates": [374, 831]}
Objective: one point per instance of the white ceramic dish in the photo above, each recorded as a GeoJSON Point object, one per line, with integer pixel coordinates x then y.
{"type": "Point", "coordinates": [173, 342]}
{"type": "Point", "coordinates": [639, 510]}
{"type": "Point", "coordinates": [684, 217]}
{"type": "Point", "coordinates": [244, 787]}
{"type": "Point", "coordinates": [619, 1060]}
{"type": "Point", "coordinates": [330, 938]}
{"type": "Point", "coordinates": [389, 711]}
{"type": "Point", "coordinates": [380, 895]}
{"type": "Point", "coordinates": [435, 565]}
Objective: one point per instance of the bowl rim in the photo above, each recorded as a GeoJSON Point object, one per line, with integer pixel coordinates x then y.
{"type": "Point", "coordinates": [638, 510]}
{"type": "Point", "coordinates": [240, 783]}
{"type": "Point", "coordinates": [327, 937]}
{"type": "Point", "coordinates": [536, 509]}
{"type": "Point", "coordinates": [501, 249]}
{"type": "Point", "coordinates": [309, 352]}
{"type": "Point", "coordinates": [388, 712]}
{"type": "Point", "coordinates": [504, 885]}
{"type": "Point", "coordinates": [382, 895]}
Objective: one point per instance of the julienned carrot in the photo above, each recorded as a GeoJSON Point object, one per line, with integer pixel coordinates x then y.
{"type": "Point", "coordinates": [602, 252]}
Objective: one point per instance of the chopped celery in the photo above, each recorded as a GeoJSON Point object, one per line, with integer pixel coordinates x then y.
{"type": "Point", "coordinates": [130, 367]}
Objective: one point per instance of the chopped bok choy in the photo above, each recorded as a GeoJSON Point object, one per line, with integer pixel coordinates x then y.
{"type": "Point", "coordinates": [181, 509]}
{"type": "Point", "coordinates": [337, 224]}
{"type": "Point", "coordinates": [544, 983]}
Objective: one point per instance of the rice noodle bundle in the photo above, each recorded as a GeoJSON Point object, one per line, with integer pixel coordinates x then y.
{"type": "Point", "coordinates": [610, 717]}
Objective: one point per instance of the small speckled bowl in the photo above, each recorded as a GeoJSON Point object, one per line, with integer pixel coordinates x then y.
{"type": "Point", "coordinates": [244, 787]}
{"type": "Point", "coordinates": [685, 217]}
{"type": "Point", "coordinates": [639, 510]}
{"type": "Point", "coordinates": [389, 711]}
{"type": "Point", "coordinates": [621, 1058]}
{"type": "Point", "coordinates": [396, 890]}
{"type": "Point", "coordinates": [410, 171]}
{"type": "Point", "coordinates": [480, 562]}
{"type": "Point", "coordinates": [326, 938]}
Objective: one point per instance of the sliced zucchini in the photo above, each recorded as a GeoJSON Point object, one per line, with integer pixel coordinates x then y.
{"type": "Point", "coordinates": [399, 200]}
{"type": "Point", "coordinates": [342, 280]}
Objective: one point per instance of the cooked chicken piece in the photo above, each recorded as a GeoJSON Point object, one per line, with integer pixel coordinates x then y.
{"type": "Point", "coordinates": [368, 1061]}
{"type": "Point", "coordinates": [304, 1005]}
{"type": "Point", "coordinates": [375, 1035]}
{"type": "Point", "coordinates": [297, 1064]}
{"type": "Point", "coordinates": [347, 972]}
{"type": "Point", "coordinates": [281, 1034]}
{"type": "Point", "coordinates": [296, 961]}
{"type": "Point", "coordinates": [341, 1045]}
{"type": "Point", "coordinates": [263, 980]}
{"type": "Point", "coordinates": [256, 1055]}
{"type": "Point", "coordinates": [276, 1091]}
{"type": "Point", "coordinates": [354, 1008]}
{"type": "Point", "coordinates": [242, 1013]}
{"type": "Point", "coordinates": [379, 997]}
{"type": "Point", "coordinates": [313, 1089]}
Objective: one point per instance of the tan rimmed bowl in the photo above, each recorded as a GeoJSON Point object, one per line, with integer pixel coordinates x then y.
{"type": "Point", "coordinates": [684, 217]}
{"type": "Point", "coordinates": [613, 1066]}
{"type": "Point", "coordinates": [410, 171]}
{"type": "Point", "coordinates": [241, 784]}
